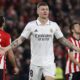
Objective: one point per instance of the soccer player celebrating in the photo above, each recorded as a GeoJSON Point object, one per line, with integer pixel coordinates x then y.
{"type": "Point", "coordinates": [5, 40]}
{"type": "Point", "coordinates": [73, 57]}
{"type": "Point", "coordinates": [41, 33]}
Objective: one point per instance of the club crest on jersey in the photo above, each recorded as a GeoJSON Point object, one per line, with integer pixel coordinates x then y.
{"type": "Point", "coordinates": [51, 30]}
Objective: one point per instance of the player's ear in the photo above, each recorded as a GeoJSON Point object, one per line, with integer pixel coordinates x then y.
{"type": "Point", "coordinates": [37, 10]}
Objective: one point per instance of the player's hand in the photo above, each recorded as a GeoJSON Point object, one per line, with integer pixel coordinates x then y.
{"type": "Point", "coordinates": [16, 71]}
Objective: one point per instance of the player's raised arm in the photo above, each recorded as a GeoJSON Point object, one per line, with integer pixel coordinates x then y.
{"type": "Point", "coordinates": [13, 45]}
{"type": "Point", "coordinates": [67, 43]}
{"type": "Point", "coordinates": [17, 42]}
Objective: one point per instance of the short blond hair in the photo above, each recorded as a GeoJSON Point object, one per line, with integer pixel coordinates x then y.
{"type": "Point", "coordinates": [42, 4]}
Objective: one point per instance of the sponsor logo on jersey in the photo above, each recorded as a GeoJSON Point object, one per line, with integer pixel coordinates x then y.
{"type": "Point", "coordinates": [43, 37]}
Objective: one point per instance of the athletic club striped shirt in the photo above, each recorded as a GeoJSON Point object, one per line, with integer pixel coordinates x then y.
{"type": "Point", "coordinates": [70, 66]}
{"type": "Point", "coordinates": [5, 40]}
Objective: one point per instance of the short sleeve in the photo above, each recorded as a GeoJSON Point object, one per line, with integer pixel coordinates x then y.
{"type": "Point", "coordinates": [27, 31]}
{"type": "Point", "coordinates": [58, 33]}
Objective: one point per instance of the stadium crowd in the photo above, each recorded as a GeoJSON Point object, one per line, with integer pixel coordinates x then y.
{"type": "Point", "coordinates": [18, 12]}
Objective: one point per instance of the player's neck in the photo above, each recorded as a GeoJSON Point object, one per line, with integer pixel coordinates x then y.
{"type": "Point", "coordinates": [43, 20]}
{"type": "Point", "coordinates": [76, 36]}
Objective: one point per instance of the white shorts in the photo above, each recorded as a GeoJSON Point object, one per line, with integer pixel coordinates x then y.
{"type": "Point", "coordinates": [37, 71]}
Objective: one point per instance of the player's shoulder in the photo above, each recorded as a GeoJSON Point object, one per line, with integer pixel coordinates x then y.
{"type": "Point", "coordinates": [32, 22]}
{"type": "Point", "coordinates": [6, 34]}
{"type": "Point", "coordinates": [70, 38]}
{"type": "Point", "coordinates": [53, 22]}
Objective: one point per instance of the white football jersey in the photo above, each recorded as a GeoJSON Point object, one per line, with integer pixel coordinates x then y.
{"type": "Point", "coordinates": [41, 38]}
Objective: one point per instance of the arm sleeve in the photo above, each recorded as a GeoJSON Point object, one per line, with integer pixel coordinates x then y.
{"type": "Point", "coordinates": [58, 33]}
{"type": "Point", "coordinates": [27, 31]}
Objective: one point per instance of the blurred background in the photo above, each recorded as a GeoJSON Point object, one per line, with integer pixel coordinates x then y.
{"type": "Point", "coordinates": [19, 12]}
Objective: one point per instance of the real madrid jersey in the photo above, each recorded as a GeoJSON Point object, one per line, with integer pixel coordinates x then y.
{"type": "Point", "coordinates": [41, 38]}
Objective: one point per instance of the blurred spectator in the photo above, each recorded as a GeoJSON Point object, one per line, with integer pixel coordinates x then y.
{"type": "Point", "coordinates": [11, 18]}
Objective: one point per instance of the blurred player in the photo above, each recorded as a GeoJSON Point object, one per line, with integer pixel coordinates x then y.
{"type": "Point", "coordinates": [73, 57]}
{"type": "Point", "coordinates": [41, 33]}
{"type": "Point", "coordinates": [5, 40]}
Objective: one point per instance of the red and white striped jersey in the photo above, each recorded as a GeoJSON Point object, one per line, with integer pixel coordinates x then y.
{"type": "Point", "coordinates": [5, 40]}
{"type": "Point", "coordinates": [70, 66]}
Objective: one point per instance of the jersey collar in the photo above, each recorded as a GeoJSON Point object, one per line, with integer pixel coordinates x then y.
{"type": "Point", "coordinates": [39, 23]}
